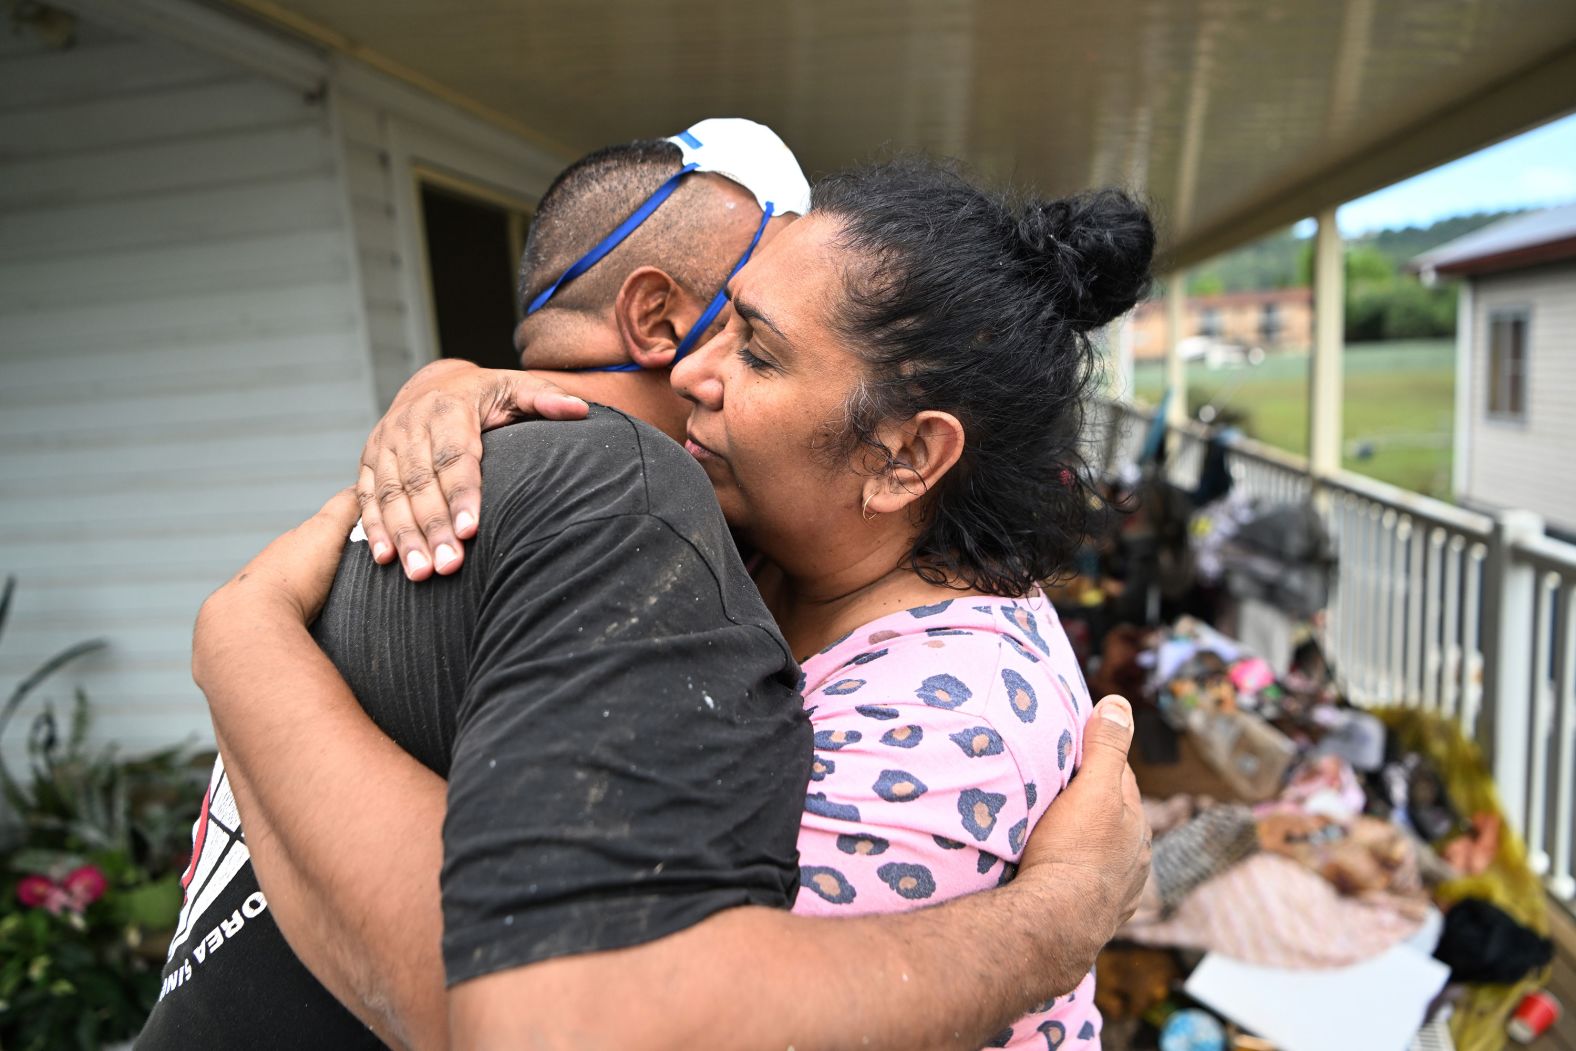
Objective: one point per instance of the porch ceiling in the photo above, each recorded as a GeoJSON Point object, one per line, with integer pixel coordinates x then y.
{"type": "Point", "coordinates": [1234, 116]}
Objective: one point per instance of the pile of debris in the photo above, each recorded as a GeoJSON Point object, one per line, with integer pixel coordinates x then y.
{"type": "Point", "coordinates": [1324, 876]}
{"type": "Point", "coordinates": [1318, 890]}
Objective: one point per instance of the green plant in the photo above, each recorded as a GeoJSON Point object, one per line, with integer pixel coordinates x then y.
{"type": "Point", "coordinates": [89, 884]}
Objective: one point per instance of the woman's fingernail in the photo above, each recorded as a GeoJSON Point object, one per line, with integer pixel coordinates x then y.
{"type": "Point", "coordinates": [444, 557]}
{"type": "Point", "coordinates": [380, 551]}
{"type": "Point", "coordinates": [415, 562]}
{"type": "Point", "coordinates": [464, 521]}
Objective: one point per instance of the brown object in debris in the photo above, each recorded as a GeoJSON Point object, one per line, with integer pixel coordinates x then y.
{"type": "Point", "coordinates": [1130, 979]}
{"type": "Point", "coordinates": [1472, 853]}
{"type": "Point", "coordinates": [1120, 671]}
{"type": "Point", "coordinates": [1248, 753]}
{"type": "Point", "coordinates": [1357, 858]}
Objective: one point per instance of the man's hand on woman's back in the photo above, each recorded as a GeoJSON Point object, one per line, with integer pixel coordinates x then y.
{"type": "Point", "coordinates": [1094, 834]}
{"type": "Point", "coordinates": [420, 481]}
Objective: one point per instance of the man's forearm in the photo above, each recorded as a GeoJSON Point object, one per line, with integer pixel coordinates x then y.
{"type": "Point", "coordinates": [950, 976]}
{"type": "Point", "coordinates": [343, 825]}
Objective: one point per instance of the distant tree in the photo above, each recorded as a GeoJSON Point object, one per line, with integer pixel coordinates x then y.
{"type": "Point", "coordinates": [1386, 303]}
{"type": "Point", "coordinates": [1415, 312]}
{"type": "Point", "coordinates": [1268, 263]}
{"type": "Point", "coordinates": [1365, 313]}
{"type": "Point", "coordinates": [1283, 260]}
{"type": "Point", "coordinates": [1405, 244]}
{"type": "Point", "coordinates": [1383, 300]}
{"type": "Point", "coordinates": [1208, 284]}
{"type": "Point", "coordinates": [1370, 282]}
{"type": "Point", "coordinates": [1367, 267]}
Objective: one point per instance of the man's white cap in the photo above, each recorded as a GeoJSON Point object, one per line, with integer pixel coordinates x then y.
{"type": "Point", "coordinates": [751, 155]}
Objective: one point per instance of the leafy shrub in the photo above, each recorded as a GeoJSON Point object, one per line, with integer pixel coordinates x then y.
{"type": "Point", "coordinates": [90, 863]}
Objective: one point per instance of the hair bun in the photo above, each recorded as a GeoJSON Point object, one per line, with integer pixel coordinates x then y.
{"type": "Point", "coordinates": [1096, 248]}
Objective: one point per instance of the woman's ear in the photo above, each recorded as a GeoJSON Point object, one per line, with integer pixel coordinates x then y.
{"type": "Point", "coordinates": [651, 311]}
{"type": "Point", "coordinates": [922, 450]}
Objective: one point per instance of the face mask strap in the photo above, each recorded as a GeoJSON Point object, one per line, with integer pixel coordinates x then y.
{"type": "Point", "coordinates": [718, 301]}
{"type": "Point", "coordinates": [702, 323]}
{"type": "Point", "coordinates": [612, 240]}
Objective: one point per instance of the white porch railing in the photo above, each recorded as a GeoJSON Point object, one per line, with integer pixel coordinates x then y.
{"type": "Point", "coordinates": [1436, 607]}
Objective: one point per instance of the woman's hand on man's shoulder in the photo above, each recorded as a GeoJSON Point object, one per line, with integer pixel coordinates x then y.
{"type": "Point", "coordinates": [420, 486]}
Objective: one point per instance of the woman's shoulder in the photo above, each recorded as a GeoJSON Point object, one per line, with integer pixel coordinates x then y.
{"type": "Point", "coordinates": [997, 656]}
{"type": "Point", "coordinates": [991, 684]}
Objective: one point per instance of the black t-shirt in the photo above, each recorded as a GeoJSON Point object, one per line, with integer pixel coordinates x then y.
{"type": "Point", "coordinates": [610, 701]}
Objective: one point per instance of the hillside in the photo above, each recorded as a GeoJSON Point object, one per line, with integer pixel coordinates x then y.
{"type": "Point", "coordinates": [1283, 260]}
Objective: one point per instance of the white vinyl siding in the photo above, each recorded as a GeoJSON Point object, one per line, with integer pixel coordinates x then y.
{"type": "Point", "coordinates": [369, 185]}
{"type": "Point", "coordinates": [182, 349]}
{"type": "Point", "coordinates": [1516, 462]}
{"type": "Point", "coordinates": [392, 137]}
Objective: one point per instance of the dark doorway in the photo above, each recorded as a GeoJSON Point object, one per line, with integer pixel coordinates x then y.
{"type": "Point", "coordinates": [472, 253]}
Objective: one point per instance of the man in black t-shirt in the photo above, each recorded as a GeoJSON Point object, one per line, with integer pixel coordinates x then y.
{"type": "Point", "coordinates": [604, 633]}
{"type": "Point", "coordinates": [626, 760]}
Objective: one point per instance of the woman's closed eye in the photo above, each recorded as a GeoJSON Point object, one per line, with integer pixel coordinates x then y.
{"type": "Point", "coordinates": [752, 362]}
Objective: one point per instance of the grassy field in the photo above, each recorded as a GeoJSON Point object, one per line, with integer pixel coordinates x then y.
{"type": "Point", "coordinates": [1398, 408]}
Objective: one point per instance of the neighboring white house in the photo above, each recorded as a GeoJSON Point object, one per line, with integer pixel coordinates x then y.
{"type": "Point", "coordinates": [1515, 430]}
{"type": "Point", "coordinates": [213, 275]}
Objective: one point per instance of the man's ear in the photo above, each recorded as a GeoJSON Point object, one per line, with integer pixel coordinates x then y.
{"type": "Point", "coordinates": [652, 312]}
{"type": "Point", "coordinates": [923, 449]}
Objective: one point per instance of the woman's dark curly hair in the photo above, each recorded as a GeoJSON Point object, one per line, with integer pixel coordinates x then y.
{"type": "Point", "coordinates": [981, 305]}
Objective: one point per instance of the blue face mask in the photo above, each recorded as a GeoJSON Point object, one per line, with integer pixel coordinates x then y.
{"type": "Point", "coordinates": [749, 154]}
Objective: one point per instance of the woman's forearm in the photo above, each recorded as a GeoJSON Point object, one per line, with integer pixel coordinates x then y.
{"type": "Point", "coordinates": [343, 825]}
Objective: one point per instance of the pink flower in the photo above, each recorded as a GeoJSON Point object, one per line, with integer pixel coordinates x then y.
{"type": "Point", "coordinates": [85, 886]}
{"type": "Point", "coordinates": [81, 888]}
{"type": "Point", "coordinates": [36, 892]}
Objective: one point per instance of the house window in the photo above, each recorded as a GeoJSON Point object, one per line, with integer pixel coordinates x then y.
{"type": "Point", "coordinates": [1270, 322]}
{"type": "Point", "coordinates": [1209, 323]}
{"type": "Point", "coordinates": [473, 254]}
{"type": "Point", "coordinates": [1507, 364]}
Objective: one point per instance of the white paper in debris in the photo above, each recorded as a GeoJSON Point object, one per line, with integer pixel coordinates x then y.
{"type": "Point", "coordinates": [1376, 1005]}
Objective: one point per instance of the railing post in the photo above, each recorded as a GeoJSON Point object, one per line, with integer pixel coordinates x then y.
{"type": "Point", "coordinates": [1120, 336]}
{"type": "Point", "coordinates": [1509, 594]}
{"type": "Point", "coordinates": [1176, 369]}
{"type": "Point", "coordinates": [1461, 442]}
{"type": "Point", "coordinates": [1325, 369]}
{"type": "Point", "coordinates": [1111, 434]}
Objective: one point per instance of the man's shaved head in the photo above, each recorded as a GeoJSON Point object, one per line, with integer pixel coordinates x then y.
{"type": "Point", "coordinates": [637, 304]}
{"type": "Point", "coordinates": [686, 236]}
